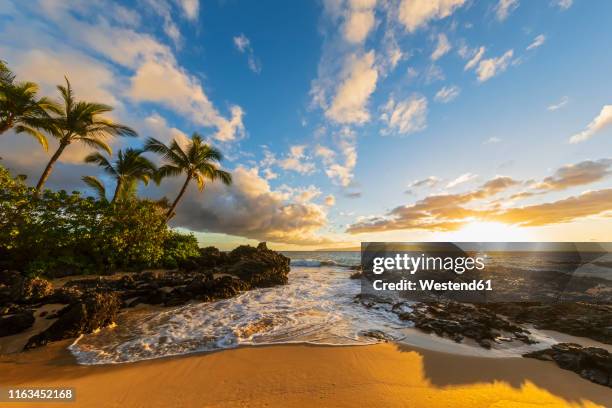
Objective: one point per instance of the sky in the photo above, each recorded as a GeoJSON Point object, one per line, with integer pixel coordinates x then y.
{"type": "Point", "coordinates": [344, 120]}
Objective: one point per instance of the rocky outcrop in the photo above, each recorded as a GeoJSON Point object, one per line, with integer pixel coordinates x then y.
{"type": "Point", "coordinates": [93, 302]}
{"type": "Point", "coordinates": [11, 283]}
{"type": "Point", "coordinates": [576, 318]}
{"type": "Point", "coordinates": [16, 323]}
{"type": "Point", "coordinates": [96, 310]}
{"type": "Point", "coordinates": [259, 267]}
{"type": "Point", "coordinates": [591, 363]}
{"type": "Point", "coordinates": [15, 288]}
{"type": "Point", "coordinates": [458, 320]}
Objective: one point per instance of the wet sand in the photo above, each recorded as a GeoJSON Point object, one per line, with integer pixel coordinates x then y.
{"type": "Point", "coordinates": [384, 375]}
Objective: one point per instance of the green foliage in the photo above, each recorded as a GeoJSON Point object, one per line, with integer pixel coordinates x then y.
{"type": "Point", "coordinates": [179, 247]}
{"type": "Point", "coordinates": [60, 233]}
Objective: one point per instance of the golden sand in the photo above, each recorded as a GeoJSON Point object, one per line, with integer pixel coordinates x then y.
{"type": "Point", "coordinates": [385, 375]}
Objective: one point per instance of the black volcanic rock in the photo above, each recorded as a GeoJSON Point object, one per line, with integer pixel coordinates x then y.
{"type": "Point", "coordinates": [591, 363]}
{"type": "Point", "coordinates": [260, 267]}
{"type": "Point", "coordinates": [11, 283]}
{"type": "Point", "coordinates": [96, 310]}
{"type": "Point", "coordinates": [576, 318]}
{"type": "Point", "coordinates": [16, 323]}
{"type": "Point", "coordinates": [456, 321]}
{"type": "Point", "coordinates": [93, 302]}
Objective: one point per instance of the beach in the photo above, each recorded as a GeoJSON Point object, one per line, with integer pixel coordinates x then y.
{"type": "Point", "coordinates": [382, 375]}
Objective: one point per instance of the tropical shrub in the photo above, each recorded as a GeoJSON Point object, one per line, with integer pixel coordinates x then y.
{"type": "Point", "coordinates": [178, 247]}
{"type": "Point", "coordinates": [60, 233]}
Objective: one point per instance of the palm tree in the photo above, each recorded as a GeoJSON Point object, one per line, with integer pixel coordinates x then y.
{"type": "Point", "coordinates": [199, 162]}
{"type": "Point", "coordinates": [96, 185]}
{"type": "Point", "coordinates": [21, 109]}
{"type": "Point", "coordinates": [6, 75]}
{"type": "Point", "coordinates": [129, 168]}
{"type": "Point", "coordinates": [80, 121]}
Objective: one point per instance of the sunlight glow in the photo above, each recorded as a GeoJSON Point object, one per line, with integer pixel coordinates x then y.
{"type": "Point", "coordinates": [484, 231]}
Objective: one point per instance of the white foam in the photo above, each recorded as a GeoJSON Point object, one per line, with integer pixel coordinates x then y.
{"type": "Point", "coordinates": [317, 306]}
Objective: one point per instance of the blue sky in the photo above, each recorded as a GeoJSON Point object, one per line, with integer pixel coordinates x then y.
{"type": "Point", "coordinates": [346, 120]}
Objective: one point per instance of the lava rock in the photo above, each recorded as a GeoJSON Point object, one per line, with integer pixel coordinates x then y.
{"type": "Point", "coordinates": [580, 319]}
{"type": "Point", "coordinates": [11, 283]}
{"type": "Point", "coordinates": [96, 310]}
{"type": "Point", "coordinates": [16, 323]}
{"type": "Point", "coordinates": [260, 267]}
{"type": "Point", "coordinates": [591, 363]}
{"type": "Point", "coordinates": [456, 321]}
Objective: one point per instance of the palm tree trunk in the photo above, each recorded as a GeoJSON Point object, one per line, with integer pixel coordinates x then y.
{"type": "Point", "coordinates": [117, 189]}
{"type": "Point", "coordinates": [170, 212]}
{"type": "Point", "coordinates": [49, 168]}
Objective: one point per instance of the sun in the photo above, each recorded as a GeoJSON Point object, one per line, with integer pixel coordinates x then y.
{"type": "Point", "coordinates": [484, 231]}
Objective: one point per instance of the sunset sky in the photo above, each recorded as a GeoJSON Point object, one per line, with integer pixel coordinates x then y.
{"type": "Point", "coordinates": [345, 121]}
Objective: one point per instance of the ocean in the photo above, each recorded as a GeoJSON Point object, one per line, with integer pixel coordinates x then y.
{"type": "Point", "coordinates": [317, 306]}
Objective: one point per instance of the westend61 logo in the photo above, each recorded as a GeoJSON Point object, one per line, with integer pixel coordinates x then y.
{"type": "Point", "coordinates": [485, 272]}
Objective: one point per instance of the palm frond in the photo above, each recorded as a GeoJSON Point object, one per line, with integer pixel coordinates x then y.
{"type": "Point", "coordinates": [100, 160]}
{"type": "Point", "coordinates": [96, 144]}
{"type": "Point", "coordinates": [168, 170]}
{"type": "Point", "coordinates": [96, 185]}
{"type": "Point", "coordinates": [40, 138]}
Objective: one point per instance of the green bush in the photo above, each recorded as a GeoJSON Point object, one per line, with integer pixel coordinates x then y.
{"type": "Point", "coordinates": [178, 247]}
{"type": "Point", "coordinates": [60, 233]}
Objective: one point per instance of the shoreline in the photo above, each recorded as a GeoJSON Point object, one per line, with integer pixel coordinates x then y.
{"type": "Point", "coordinates": [385, 375]}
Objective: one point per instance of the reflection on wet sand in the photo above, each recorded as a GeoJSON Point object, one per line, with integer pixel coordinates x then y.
{"type": "Point", "coordinates": [384, 375]}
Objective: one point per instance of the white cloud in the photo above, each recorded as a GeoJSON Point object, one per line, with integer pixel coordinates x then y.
{"type": "Point", "coordinates": [447, 94]}
{"type": "Point", "coordinates": [442, 47]}
{"type": "Point", "coordinates": [430, 181]}
{"type": "Point", "coordinates": [165, 83]}
{"type": "Point", "coordinates": [252, 209]}
{"type": "Point", "coordinates": [414, 14]}
{"type": "Point", "coordinates": [351, 98]}
{"type": "Point", "coordinates": [602, 121]}
{"type": "Point", "coordinates": [163, 9]}
{"type": "Point", "coordinates": [473, 62]}
{"type": "Point", "coordinates": [504, 8]}
{"type": "Point", "coordinates": [359, 21]}
{"type": "Point", "coordinates": [563, 4]}
{"type": "Point", "coordinates": [407, 116]}
{"type": "Point", "coordinates": [537, 42]}
{"type": "Point", "coordinates": [492, 140]}
{"type": "Point", "coordinates": [330, 200]}
{"type": "Point", "coordinates": [243, 44]}
{"type": "Point", "coordinates": [556, 106]}
{"type": "Point", "coordinates": [488, 68]}
{"type": "Point", "coordinates": [305, 195]}
{"type": "Point", "coordinates": [297, 161]}
{"type": "Point", "coordinates": [392, 53]}
{"type": "Point", "coordinates": [191, 8]}
{"type": "Point", "coordinates": [269, 174]}
{"type": "Point", "coordinates": [433, 73]}
{"type": "Point", "coordinates": [340, 172]}
{"type": "Point", "coordinates": [157, 127]}
{"type": "Point", "coordinates": [324, 152]}
{"type": "Point", "coordinates": [464, 178]}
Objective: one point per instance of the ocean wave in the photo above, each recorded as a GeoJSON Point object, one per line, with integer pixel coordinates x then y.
{"type": "Point", "coordinates": [316, 307]}
{"type": "Point", "coordinates": [317, 263]}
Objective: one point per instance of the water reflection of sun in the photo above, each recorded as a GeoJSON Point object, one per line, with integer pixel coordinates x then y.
{"type": "Point", "coordinates": [485, 231]}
